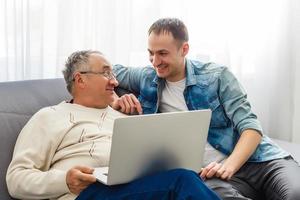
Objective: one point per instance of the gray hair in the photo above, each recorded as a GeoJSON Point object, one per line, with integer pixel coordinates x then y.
{"type": "Point", "coordinates": [77, 61]}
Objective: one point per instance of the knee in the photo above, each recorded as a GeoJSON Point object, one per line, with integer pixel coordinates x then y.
{"type": "Point", "coordinates": [183, 173]}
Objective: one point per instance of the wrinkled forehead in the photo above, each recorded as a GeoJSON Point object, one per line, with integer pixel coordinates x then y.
{"type": "Point", "coordinates": [99, 62]}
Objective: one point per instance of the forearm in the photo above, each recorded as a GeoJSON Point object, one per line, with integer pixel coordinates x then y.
{"type": "Point", "coordinates": [34, 184]}
{"type": "Point", "coordinates": [244, 148]}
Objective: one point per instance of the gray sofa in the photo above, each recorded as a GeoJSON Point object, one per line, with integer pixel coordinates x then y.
{"type": "Point", "coordinates": [21, 99]}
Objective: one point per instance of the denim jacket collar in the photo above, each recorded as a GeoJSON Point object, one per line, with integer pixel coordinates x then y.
{"type": "Point", "coordinates": [156, 81]}
{"type": "Point", "coordinates": [190, 73]}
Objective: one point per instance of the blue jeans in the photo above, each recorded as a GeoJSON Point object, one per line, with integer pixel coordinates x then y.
{"type": "Point", "coordinates": [174, 184]}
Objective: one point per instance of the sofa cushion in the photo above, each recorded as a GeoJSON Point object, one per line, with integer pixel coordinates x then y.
{"type": "Point", "coordinates": [19, 101]}
{"type": "Point", "coordinates": [292, 148]}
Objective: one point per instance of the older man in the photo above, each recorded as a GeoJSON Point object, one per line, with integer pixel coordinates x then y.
{"type": "Point", "coordinates": [58, 148]}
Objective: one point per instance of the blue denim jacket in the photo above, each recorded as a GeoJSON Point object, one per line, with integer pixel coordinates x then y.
{"type": "Point", "coordinates": [208, 86]}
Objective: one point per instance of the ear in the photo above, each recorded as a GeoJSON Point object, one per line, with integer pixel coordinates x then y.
{"type": "Point", "coordinates": [79, 80]}
{"type": "Point", "coordinates": [185, 48]}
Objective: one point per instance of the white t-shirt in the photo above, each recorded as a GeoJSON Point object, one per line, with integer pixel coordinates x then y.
{"type": "Point", "coordinates": [172, 100]}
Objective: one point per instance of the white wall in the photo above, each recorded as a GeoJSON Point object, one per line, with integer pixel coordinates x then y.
{"type": "Point", "coordinates": [296, 63]}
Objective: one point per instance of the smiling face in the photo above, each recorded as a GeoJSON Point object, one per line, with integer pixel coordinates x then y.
{"type": "Point", "coordinates": [167, 55]}
{"type": "Point", "coordinates": [95, 90]}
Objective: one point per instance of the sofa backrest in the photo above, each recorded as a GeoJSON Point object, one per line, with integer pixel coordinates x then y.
{"type": "Point", "coordinates": [21, 99]}
{"type": "Point", "coordinates": [18, 102]}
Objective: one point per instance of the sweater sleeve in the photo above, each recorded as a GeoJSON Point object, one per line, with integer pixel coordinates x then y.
{"type": "Point", "coordinates": [29, 175]}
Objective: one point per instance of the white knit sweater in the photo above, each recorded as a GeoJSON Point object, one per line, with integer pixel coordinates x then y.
{"type": "Point", "coordinates": [54, 140]}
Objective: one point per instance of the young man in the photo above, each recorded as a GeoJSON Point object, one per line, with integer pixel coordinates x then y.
{"type": "Point", "coordinates": [58, 148]}
{"type": "Point", "coordinates": [255, 168]}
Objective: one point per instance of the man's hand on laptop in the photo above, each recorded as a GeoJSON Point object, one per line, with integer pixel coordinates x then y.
{"type": "Point", "coordinates": [127, 104]}
{"type": "Point", "coordinates": [79, 177]}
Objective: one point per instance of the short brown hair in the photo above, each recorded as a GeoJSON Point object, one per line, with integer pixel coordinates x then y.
{"type": "Point", "coordinates": [170, 25]}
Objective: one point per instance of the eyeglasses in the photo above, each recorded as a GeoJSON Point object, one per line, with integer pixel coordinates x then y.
{"type": "Point", "coordinates": [107, 74]}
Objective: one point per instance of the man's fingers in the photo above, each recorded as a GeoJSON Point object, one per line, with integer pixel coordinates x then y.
{"type": "Point", "coordinates": [80, 173]}
{"type": "Point", "coordinates": [216, 169]}
{"type": "Point", "coordinates": [87, 178]}
{"type": "Point", "coordinates": [211, 165]}
{"type": "Point", "coordinates": [137, 105]}
{"type": "Point", "coordinates": [127, 105]}
{"type": "Point", "coordinates": [213, 170]}
{"type": "Point", "coordinates": [131, 103]}
{"type": "Point", "coordinates": [134, 104]}
{"type": "Point", "coordinates": [79, 177]}
{"type": "Point", "coordinates": [84, 174]}
{"type": "Point", "coordinates": [220, 172]}
{"type": "Point", "coordinates": [125, 108]}
{"type": "Point", "coordinates": [225, 175]}
{"type": "Point", "coordinates": [203, 173]}
{"type": "Point", "coordinates": [206, 169]}
{"type": "Point", "coordinates": [85, 169]}
{"type": "Point", "coordinates": [122, 105]}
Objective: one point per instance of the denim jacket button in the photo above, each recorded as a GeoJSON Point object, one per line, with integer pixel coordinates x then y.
{"type": "Point", "coordinates": [217, 146]}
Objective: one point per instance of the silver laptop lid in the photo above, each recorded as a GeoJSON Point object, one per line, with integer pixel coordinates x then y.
{"type": "Point", "coordinates": [146, 144]}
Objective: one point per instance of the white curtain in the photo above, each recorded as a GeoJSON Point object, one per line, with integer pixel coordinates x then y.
{"type": "Point", "coordinates": [258, 40]}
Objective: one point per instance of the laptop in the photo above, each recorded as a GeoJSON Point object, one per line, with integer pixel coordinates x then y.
{"type": "Point", "coordinates": [146, 144]}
